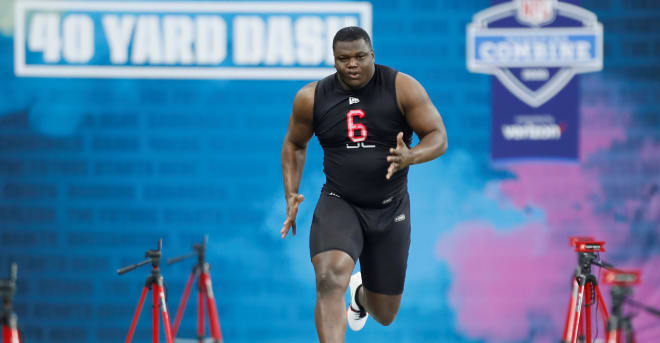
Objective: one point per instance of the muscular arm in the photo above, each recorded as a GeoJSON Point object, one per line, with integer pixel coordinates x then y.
{"type": "Point", "coordinates": [294, 152]}
{"type": "Point", "coordinates": [424, 119]}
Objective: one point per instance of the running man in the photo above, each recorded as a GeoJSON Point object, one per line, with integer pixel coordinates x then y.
{"type": "Point", "coordinates": [364, 116]}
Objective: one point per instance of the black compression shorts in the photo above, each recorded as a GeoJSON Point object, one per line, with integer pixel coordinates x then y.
{"type": "Point", "coordinates": [379, 237]}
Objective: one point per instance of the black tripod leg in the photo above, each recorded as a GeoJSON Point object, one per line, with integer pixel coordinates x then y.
{"type": "Point", "coordinates": [627, 328]}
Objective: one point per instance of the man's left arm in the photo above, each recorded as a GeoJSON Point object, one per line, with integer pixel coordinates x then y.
{"type": "Point", "coordinates": [424, 119]}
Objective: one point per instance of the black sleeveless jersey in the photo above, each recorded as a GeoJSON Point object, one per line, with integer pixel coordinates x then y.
{"type": "Point", "coordinates": [356, 129]}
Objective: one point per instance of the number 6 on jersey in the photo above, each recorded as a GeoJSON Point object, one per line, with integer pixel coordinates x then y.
{"type": "Point", "coordinates": [353, 127]}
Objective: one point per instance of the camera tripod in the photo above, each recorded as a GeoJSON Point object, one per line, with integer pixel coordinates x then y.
{"type": "Point", "coordinates": [204, 294]}
{"type": "Point", "coordinates": [585, 292]}
{"type": "Point", "coordinates": [8, 318]}
{"type": "Point", "coordinates": [156, 284]}
{"type": "Point", "coordinates": [619, 328]}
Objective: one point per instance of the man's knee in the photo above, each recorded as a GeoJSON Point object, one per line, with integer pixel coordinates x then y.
{"type": "Point", "coordinates": [383, 308]}
{"type": "Point", "coordinates": [333, 270]}
{"type": "Point", "coordinates": [331, 281]}
{"type": "Point", "coordinates": [385, 317]}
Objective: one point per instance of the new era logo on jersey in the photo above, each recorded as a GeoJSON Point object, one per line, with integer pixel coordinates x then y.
{"type": "Point", "coordinates": [352, 100]}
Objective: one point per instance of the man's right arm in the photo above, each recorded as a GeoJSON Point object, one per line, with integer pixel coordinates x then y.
{"type": "Point", "coordinates": [294, 152]}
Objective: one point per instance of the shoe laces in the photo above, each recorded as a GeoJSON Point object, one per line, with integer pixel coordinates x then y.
{"type": "Point", "coordinates": [359, 314]}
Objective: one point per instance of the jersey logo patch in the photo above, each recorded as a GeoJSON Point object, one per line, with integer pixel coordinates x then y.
{"type": "Point", "coordinates": [352, 100]}
{"type": "Point", "coordinates": [400, 218]}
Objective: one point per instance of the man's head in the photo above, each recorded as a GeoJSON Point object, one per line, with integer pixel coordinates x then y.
{"type": "Point", "coordinates": [354, 56]}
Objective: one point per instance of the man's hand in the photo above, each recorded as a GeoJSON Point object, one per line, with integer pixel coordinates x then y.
{"type": "Point", "coordinates": [399, 158]}
{"type": "Point", "coordinates": [292, 203]}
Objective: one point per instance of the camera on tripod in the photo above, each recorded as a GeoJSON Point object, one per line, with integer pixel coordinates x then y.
{"type": "Point", "coordinates": [587, 245]}
{"type": "Point", "coordinates": [585, 291]}
{"type": "Point", "coordinates": [156, 284]}
{"type": "Point", "coordinates": [622, 278]}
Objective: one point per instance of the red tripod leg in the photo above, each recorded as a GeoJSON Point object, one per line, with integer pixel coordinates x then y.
{"type": "Point", "coordinates": [13, 330]}
{"type": "Point", "coordinates": [10, 330]}
{"type": "Point", "coordinates": [9, 335]}
{"type": "Point", "coordinates": [613, 324]}
{"type": "Point", "coordinates": [582, 328]}
{"type": "Point", "coordinates": [578, 310]}
{"type": "Point", "coordinates": [570, 316]}
{"type": "Point", "coordinates": [136, 316]}
{"type": "Point", "coordinates": [614, 336]}
{"type": "Point", "coordinates": [601, 306]}
{"type": "Point", "coordinates": [608, 337]}
{"type": "Point", "coordinates": [182, 304]}
{"type": "Point", "coordinates": [155, 317]}
{"type": "Point", "coordinates": [200, 309]}
{"type": "Point", "coordinates": [213, 310]}
{"type": "Point", "coordinates": [6, 334]}
{"type": "Point", "coordinates": [587, 318]}
{"type": "Point", "coordinates": [166, 316]}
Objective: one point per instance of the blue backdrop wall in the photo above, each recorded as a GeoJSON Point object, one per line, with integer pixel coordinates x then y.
{"type": "Point", "coordinates": [94, 171]}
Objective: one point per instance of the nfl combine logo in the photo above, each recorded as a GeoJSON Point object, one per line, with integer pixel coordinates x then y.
{"type": "Point", "coordinates": [534, 47]}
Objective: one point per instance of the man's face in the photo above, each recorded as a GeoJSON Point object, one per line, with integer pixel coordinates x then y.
{"type": "Point", "coordinates": [354, 61]}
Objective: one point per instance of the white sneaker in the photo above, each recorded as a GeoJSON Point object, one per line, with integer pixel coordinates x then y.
{"type": "Point", "coordinates": [356, 318]}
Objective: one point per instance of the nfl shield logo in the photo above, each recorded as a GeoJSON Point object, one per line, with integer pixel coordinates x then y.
{"type": "Point", "coordinates": [536, 12]}
{"type": "Point", "coordinates": [534, 48]}
{"type": "Point", "coordinates": [535, 57]}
